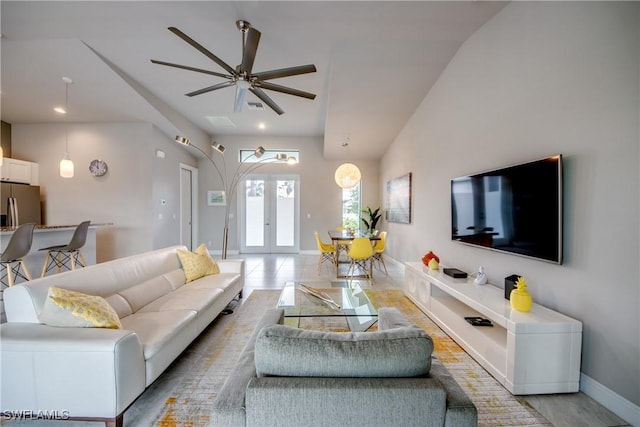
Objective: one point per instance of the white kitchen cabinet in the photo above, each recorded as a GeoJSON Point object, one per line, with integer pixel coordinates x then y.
{"type": "Point", "coordinates": [20, 171]}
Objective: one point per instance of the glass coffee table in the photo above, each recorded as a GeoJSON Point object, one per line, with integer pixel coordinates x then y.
{"type": "Point", "coordinates": [337, 305]}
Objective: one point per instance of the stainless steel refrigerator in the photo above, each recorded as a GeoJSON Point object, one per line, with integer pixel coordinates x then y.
{"type": "Point", "coordinates": [20, 204]}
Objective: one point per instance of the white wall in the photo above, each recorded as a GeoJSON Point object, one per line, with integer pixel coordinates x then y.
{"type": "Point", "coordinates": [320, 197]}
{"type": "Point", "coordinates": [126, 196]}
{"type": "Point", "coordinates": [536, 80]}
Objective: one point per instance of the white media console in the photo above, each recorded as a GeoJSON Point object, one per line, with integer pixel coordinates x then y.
{"type": "Point", "coordinates": [529, 353]}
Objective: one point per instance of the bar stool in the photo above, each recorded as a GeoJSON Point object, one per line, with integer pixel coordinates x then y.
{"type": "Point", "coordinates": [12, 260]}
{"type": "Point", "coordinates": [62, 255]}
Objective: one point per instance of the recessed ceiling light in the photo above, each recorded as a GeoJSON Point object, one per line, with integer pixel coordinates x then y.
{"type": "Point", "coordinates": [261, 125]}
{"type": "Point", "coordinates": [60, 110]}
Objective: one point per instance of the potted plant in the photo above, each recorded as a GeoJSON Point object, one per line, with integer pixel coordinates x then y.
{"type": "Point", "coordinates": [372, 221]}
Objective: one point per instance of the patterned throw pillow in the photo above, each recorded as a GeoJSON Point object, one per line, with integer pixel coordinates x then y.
{"type": "Point", "coordinates": [74, 309]}
{"type": "Point", "coordinates": [198, 263]}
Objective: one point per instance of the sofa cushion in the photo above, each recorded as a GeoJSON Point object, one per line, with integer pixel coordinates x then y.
{"type": "Point", "coordinates": [156, 329]}
{"type": "Point", "coordinates": [216, 281]}
{"type": "Point", "coordinates": [120, 305]}
{"type": "Point", "coordinates": [184, 299]}
{"type": "Point", "coordinates": [143, 293]}
{"type": "Point", "coordinates": [198, 263]}
{"type": "Point", "coordinates": [74, 309]}
{"type": "Point", "coordinates": [176, 278]}
{"type": "Point", "coordinates": [285, 351]}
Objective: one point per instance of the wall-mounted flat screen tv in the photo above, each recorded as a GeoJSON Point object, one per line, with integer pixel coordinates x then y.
{"type": "Point", "coordinates": [516, 209]}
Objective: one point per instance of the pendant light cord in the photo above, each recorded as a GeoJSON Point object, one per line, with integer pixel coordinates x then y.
{"type": "Point", "coordinates": [66, 127]}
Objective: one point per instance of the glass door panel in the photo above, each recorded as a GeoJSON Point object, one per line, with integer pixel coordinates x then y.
{"type": "Point", "coordinates": [255, 213]}
{"type": "Point", "coordinates": [270, 214]}
{"type": "Point", "coordinates": [285, 213]}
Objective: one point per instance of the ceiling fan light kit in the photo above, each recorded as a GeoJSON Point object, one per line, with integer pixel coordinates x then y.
{"type": "Point", "coordinates": [242, 76]}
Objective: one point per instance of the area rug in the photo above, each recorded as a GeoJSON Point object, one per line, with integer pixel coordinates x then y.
{"type": "Point", "coordinates": [183, 394]}
{"type": "Point", "coordinates": [202, 370]}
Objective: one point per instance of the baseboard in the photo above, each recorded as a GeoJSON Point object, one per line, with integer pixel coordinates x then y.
{"type": "Point", "coordinates": [617, 404]}
{"type": "Point", "coordinates": [218, 252]}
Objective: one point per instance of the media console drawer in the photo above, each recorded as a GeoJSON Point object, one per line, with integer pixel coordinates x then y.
{"type": "Point", "coordinates": [529, 353]}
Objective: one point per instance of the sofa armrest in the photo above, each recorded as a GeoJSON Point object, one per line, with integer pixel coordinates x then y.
{"type": "Point", "coordinates": [311, 401]}
{"type": "Point", "coordinates": [229, 407]}
{"type": "Point", "coordinates": [390, 318]}
{"type": "Point", "coordinates": [231, 266]}
{"type": "Point", "coordinates": [460, 409]}
{"type": "Point", "coordinates": [85, 372]}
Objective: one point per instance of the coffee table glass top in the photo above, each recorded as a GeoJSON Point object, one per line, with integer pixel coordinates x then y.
{"type": "Point", "coordinates": [343, 300]}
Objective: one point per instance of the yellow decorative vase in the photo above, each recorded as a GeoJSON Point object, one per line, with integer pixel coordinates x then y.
{"type": "Point", "coordinates": [520, 298]}
{"type": "Point", "coordinates": [433, 264]}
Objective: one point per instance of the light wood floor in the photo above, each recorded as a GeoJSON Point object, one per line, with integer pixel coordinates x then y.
{"type": "Point", "coordinates": [272, 271]}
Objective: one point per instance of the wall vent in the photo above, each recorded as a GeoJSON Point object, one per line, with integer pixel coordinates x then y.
{"type": "Point", "coordinates": [255, 106]}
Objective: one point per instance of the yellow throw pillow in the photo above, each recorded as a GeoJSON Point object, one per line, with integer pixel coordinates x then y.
{"type": "Point", "coordinates": [74, 309]}
{"type": "Point", "coordinates": [198, 263]}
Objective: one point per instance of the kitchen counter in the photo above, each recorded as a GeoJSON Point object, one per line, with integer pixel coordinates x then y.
{"type": "Point", "coordinates": [52, 235]}
{"type": "Point", "coordinates": [43, 237]}
{"type": "Point", "coordinates": [45, 228]}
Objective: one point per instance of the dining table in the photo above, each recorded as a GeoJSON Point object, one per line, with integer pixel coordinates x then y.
{"type": "Point", "coordinates": [338, 236]}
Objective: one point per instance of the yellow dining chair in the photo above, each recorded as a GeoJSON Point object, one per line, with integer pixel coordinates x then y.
{"type": "Point", "coordinates": [342, 245]}
{"type": "Point", "coordinates": [327, 252]}
{"type": "Point", "coordinates": [361, 253]}
{"type": "Point", "coordinates": [378, 250]}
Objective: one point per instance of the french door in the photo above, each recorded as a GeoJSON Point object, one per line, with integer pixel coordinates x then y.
{"type": "Point", "coordinates": [269, 206]}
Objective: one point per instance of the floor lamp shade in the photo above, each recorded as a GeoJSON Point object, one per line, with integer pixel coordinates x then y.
{"type": "Point", "coordinates": [347, 175]}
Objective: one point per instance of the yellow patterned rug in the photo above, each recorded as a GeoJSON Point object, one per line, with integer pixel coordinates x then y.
{"type": "Point", "coordinates": [182, 396]}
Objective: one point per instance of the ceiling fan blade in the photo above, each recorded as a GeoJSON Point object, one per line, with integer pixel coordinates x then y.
{"type": "Point", "coordinates": [211, 88]}
{"type": "Point", "coordinates": [264, 98]}
{"type": "Point", "coordinates": [240, 93]}
{"type": "Point", "coordinates": [284, 89]}
{"type": "Point", "coordinates": [198, 70]}
{"type": "Point", "coordinates": [284, 72]}
{"type": "Point", "coordinates": [202, 50]}
{"type": "Point", "coordinates": [249, 50]}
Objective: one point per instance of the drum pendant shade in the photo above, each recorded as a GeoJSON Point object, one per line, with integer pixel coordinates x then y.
{"type": "Point", "coordinates": [347, 175]}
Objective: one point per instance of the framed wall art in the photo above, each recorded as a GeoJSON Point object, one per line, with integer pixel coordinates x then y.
{"type": "Point", "coordinates": [398, 203]}
{"type": "Point", "coordinates": [216, 198]}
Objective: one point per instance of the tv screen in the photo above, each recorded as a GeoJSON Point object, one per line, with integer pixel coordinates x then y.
{"type": "Point", "coordinates": [517, 209]}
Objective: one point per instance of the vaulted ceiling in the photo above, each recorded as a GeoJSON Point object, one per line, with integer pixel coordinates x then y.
{"type": "Point", "coordinates": [375, 63]}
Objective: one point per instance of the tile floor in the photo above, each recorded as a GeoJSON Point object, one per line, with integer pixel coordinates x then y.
{"type": "Point", "coordinates": [273, 270]}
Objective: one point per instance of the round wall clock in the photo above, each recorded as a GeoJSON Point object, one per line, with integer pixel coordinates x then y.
{"type": "Point", "coordinates": [98, 167]}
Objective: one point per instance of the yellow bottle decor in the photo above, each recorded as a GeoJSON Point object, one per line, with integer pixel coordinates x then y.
{"type": "Point", "coordinates": [433, 264]}
{"type": "Point", "coordinates": [520, 297]}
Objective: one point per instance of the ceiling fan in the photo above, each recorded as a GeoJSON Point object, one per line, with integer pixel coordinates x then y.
{"type": "Point", "coordinates": [242, 76]}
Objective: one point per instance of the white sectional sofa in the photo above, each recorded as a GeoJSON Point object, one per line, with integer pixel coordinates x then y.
{"type": "Point", "coordinates": [94, 373]}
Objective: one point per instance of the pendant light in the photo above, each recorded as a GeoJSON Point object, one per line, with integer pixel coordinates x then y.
{"type": "Point", "coordinates": [347, 175]}
{"type": "Point", "coordinates": [66, 165]}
